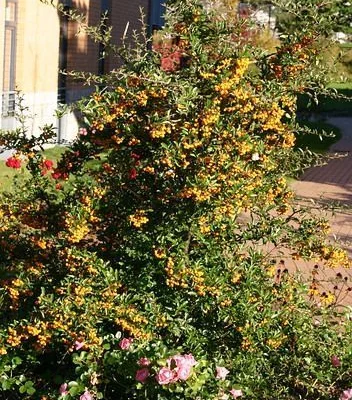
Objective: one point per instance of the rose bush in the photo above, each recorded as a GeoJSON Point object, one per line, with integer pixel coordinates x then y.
{"type": "Point", "coordinates": [141, 265]}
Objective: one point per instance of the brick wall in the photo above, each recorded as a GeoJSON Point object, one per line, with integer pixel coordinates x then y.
{"type": "Point", "coordinates": [121, 15]}
{"type": "Point", "coordinates": [83, 53]}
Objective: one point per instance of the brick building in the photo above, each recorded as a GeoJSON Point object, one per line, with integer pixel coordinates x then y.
{"type": "Point", "coordinates": [36, 41]}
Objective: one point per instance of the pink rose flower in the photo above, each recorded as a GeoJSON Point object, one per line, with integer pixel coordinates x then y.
{"type": "Point", "coordinates": [125, 343]}
{"type": "Point", "coordinates": [78, 345]}
{"type": "Point", "coordinates": [143, 362]}
{"type": "Point", "coordinates": [86, 396]}
{"type": "Point", "coordinates": [63, 389]}
{"type": "Point", "coordinates": [346, 394]}
{"type": "Point", "coordinates": [184, 371]}
{"type": "Point", "coordinates": [190, 359]}
{"type": "Point", "coordinates": [166, 376]}
{"type": "Point", "coordinates": [182, 360]}
{"type": "Point", "coordinates": [335, 361]}
{"type": "Point", "coordinates": [179, 367]}
{"type": "Point", "coordinates": [82, 131]}
{"type": "Point", "coordinates": [221, 373]}
{"type": "Point", "coordinates": [174, 361]}
{"type": "Point", "coordinates": [182, 365]}
{"type": "Point", "coordinates": [236, 393]}
{"type": "Point", "coordinates": [142, 375]}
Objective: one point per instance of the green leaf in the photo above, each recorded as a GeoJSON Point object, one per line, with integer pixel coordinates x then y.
{"type": "Point", "coordinates": [23, 389]}
{"type": "Point", "coordinates": [31, 390]}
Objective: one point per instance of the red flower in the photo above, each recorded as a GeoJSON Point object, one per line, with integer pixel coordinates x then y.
{"type": "Point", "coordinates": [167, 64]}
{"type": "Point", "coordinates": [142, 375]}
{"type": "Point", "coordinates": [48, 164]}
{"type": "Point", "coordinates": [335, 361]}
{"type": "Point", "coordinates": [57, 174]}
{"type": "Point", "coordinates": [176, 56]}
{"type": "Point", "coordinates": [13, 162]}
{"type": "Point", "coordinates": [107, 167]}
{"type": "Point", "coordinates": [132, 174]}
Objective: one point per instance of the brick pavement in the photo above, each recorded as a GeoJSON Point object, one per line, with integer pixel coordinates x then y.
{"type": "Point", "coordinates": [331, 185]}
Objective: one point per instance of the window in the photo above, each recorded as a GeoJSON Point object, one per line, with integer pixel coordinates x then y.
{"type": "Point", "coordinates": [63, 48]}
{"type": "Point", "coordinates": [9, 67]}
{"type": "Point", "coordinates": [157, 9]}
{"type": "Point", "coordinates": [105, 9]}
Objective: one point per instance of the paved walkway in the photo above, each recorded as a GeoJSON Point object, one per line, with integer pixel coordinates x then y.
{"type": "Point", "coordinates": [6, 154]}
{"type": "Point", "coordinates": [332, 182]}
{"type": "Point", "coordinates": [320, 187]}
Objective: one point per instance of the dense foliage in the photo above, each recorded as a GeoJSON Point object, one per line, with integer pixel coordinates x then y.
{"type": "Point", "coordinates": [329, 16]}
{"type": "Point", "coordinates": [141, 265]}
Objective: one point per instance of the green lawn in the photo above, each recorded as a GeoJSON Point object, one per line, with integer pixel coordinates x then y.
{"type": "Point", "coordinates": [339, 60]}
{"type": "Point", "coordinates": [7, 176]}
{"type": "Point", "coordinates": [327, 104]}
{"type": "Point", "coordinates": [342, 86]}
{"type": "Point", "coordinates": [318, 143]}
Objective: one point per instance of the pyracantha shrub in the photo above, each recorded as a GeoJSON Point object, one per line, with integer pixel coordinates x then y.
{"type": "Point", "coordinates": [140, 265]}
